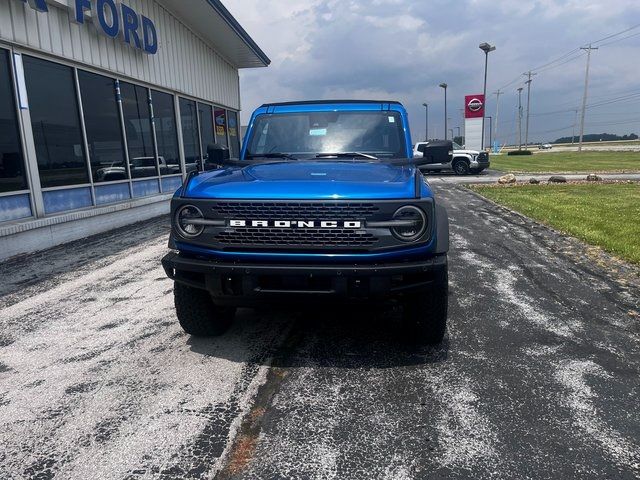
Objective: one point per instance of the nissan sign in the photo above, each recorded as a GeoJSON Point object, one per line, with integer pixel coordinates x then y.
{"type": "Point", "coordinates": [474, 106]}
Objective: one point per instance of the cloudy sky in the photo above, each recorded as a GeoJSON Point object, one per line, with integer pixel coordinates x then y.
{"type": "Point", "coordinates": [402, 50]}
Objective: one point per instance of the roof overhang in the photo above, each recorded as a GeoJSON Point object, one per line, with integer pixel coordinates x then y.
{"type": "Point", "coordinates": [214, 23]}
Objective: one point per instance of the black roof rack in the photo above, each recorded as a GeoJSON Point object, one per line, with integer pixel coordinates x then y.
{"type": "Point", "coordinates": [324, 102]}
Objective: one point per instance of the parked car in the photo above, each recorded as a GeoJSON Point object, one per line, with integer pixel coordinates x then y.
{"type": "Point", "coordinates": [324, 204]}
{"type": "Point", "coordinates": [141, 167]}
{"type": "Point", "coordinates": [545, 146]}
{"type": "Point", "coordinates": [462, 162]}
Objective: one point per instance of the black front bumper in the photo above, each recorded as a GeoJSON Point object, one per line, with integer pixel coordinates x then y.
{"type": "Point", "coordinates": [252, 284]}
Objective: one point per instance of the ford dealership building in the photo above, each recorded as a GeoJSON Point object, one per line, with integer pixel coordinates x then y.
{"type": "Point", "coordinates": [105, 105]}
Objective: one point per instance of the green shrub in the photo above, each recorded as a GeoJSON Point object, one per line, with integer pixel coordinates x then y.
{"type": "Point", "coordinates": [520, 152]}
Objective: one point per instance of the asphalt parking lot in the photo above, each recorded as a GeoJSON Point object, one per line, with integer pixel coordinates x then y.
{"type": "Point", "coordinates": [539, 376]}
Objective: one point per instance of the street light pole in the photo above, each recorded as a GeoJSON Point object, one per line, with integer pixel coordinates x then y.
{"type": "Point", "coordinates": [520, 118]}
{"type": "Point", "coordinates": [486, 48]}
{"type": "Point", "coordinates": [426, 128]}
{"type": "Point", "coordinates": [444, 85]}
{"type": "Point", "coordinates": [490, 131]}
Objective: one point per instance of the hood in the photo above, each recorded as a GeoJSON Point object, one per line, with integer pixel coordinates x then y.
{"type": "Point", "coordinates": [308, 180]}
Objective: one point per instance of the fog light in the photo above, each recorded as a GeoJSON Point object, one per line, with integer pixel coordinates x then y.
{"type": "Point", "coordinates": [414, 223]}
{"type": "Point", "coordinates": [184, 221]}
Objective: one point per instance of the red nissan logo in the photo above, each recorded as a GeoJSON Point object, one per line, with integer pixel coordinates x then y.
{"type": "Point", "coordinates": [475, 105]}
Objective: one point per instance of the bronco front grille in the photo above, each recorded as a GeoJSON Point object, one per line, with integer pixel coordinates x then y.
{"type": "Point", "coordinates": [297, 210]}
{"type": "Point", "coordinates": [339, 226]}
{"type": "Point", "coordinates": [280, 237]}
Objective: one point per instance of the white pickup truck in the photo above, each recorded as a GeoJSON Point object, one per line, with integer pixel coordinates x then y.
{"type": "Point", "coordinates": [463, 162]}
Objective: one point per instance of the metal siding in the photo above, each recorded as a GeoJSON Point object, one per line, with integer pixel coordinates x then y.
{"type": "Point", "coordinates": [184, 63]}
{"type": "Point", "coordinates": [6, 29]}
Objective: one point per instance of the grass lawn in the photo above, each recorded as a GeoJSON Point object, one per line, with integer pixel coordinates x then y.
{"type": "Point", "coordinates": [606, 215]}
{"type": "Point", "coordinates": [569, 162]}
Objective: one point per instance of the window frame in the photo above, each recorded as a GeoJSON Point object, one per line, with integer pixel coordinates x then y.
{"type": "Point", "coordinates": [21, 137]}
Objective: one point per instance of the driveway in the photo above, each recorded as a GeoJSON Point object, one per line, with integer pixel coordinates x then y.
{"type": "Point", "coordinates": [539, 376]}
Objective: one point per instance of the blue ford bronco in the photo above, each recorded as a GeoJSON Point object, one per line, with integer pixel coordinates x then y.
{"type": "Point", "coordinates": [325, 203]}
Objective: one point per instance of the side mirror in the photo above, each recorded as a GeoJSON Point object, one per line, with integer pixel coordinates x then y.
{"type": "Point", "coordinates": [217, 154]}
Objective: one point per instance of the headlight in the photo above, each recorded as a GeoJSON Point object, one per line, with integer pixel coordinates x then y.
{"type": "Point", "coordinates": [414, 223]}
{"type": "Point", "coordinates": [184, 221]}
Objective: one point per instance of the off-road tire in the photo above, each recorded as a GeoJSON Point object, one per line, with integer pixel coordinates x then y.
{"type": "Point", "coordinates": [198, 315]}
{"type": "Point", "coordinates": [460, 167]}
{"type": "Point", "coordinates": [425, 312]}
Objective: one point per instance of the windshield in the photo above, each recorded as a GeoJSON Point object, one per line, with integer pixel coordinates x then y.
{"type": "Point", "coordinates": [457, 147]}
{"type": "Point", "coordinates": [306, 135]}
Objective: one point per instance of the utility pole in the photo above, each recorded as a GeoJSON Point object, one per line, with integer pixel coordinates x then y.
{"type": "Point", "coordinates": [586, 90]}
{"type": "Point", "coordinates": [528, 82]}
{"type": "Point", "coordinates": [497, 94]}
{"type": "Point", "coordinates": [520, 118]}
{"type": "Point", "coordinates": [575, 124]}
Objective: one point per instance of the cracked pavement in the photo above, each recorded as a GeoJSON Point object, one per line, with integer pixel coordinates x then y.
{"type": "Point", "coordinates": [538, 376]}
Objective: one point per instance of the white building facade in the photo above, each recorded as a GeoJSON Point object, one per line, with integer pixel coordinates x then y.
{"type": "Point", "coordinates": [106, 105]}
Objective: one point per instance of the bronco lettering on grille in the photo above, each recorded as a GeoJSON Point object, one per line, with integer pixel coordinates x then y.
{"type": "Point", "coordinates": [294, 224]}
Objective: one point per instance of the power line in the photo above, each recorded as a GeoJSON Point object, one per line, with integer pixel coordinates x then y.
{"type": "Point", "coordinates": [575, 50]}
{"type": "Point", "coordinates": [560, 64]}
{"type": "Point", "coordinates": [616, 34]}
{"type": "Point", "coordinates": [563, 59]}
{"type": "Point", "coordinates": [620, 39]}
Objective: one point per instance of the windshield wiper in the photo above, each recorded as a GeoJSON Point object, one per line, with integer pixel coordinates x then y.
{"type": "Point", "coordinates": [271, 155]}
{"type": "Point", "coordinates": [347, 155]}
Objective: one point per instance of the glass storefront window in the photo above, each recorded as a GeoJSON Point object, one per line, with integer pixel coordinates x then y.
{"type": "Point", "coordinates": [234, 134]}
{"type": "Point", "coordinates": [205, 113]}
{"type": "Point", "coordinates": [55, 121]}
{"type": "Point", "coordinates": [137, 124]}
{"type": "Point", "coordinates": [221, 127]}
{"type": "Point", "coordinates": [166, 133]}
{"type": "Point", "coordinates": [102, 124]}
{"type": "Point", "coordinates": [191, 142]}
{"type": "Point", "coordinates": [12, 171]}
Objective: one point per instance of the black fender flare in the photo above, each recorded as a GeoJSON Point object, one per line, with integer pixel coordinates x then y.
{"type": "Point", "coordinates": [442, 229]}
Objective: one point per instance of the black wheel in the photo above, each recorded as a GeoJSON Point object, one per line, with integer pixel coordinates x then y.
{"type": "Point", "coordinates": [461, 167]}
{"type": "Point", "coordinates": [198, 315]}
{"type": "Point", "coordinates": [425, 312]}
